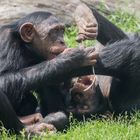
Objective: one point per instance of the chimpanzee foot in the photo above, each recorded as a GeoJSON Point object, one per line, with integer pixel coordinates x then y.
{"type": "Point", "coordinates": [31, 119]}
{"type": "Point", "coordinates": [86, 23]}
{"type": "Point", "coordinates": [40, 129]}
{"type": "Point", "coordinates": [58, 119]}
{"type": "Point", "coordinates": [34, 125]}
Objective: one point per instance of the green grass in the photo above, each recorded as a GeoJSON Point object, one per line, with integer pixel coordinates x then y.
{"type": "Point", "coordinates": [127, 22]}
{"type": "Point", "coordinates": [70, 35]}
{"type": "Point", "coordinates": [120, 128]}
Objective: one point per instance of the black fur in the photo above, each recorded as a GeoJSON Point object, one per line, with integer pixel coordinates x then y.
{"type": "Point", "coordinates": [121, 60]}
{"type": "Point", "coordinates": [22, 70]}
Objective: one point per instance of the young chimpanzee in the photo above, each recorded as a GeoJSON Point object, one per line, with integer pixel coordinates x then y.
{"type": "Point", "coordinates": [120, 59]}
{"type": "Point", "coordinates": [33, 56]}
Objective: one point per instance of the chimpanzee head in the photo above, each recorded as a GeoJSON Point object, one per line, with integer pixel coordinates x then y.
{"type": "Point", "coordinates": [85, 97]}
{"type": "Point", "coordinates": [43, 33]}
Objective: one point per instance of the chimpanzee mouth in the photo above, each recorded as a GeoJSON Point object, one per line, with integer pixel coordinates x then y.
{"type": "Point", "coordinates": [56, 50]}
{"type": "Point", "coordinates": [85, 81]}
{"type": "Point", "coordinates": [55, 54]}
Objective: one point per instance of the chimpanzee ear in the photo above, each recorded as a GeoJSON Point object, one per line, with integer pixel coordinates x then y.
{"type": "Point", "coordinates": [27, 32]}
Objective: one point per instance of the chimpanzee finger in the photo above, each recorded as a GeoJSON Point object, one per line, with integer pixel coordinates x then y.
{"type": "Point", "coordinates": [38, 117]}
{"type": "Point", "coordinates": [90, 35]}
{"type": "Point", "coordinates": [89, 50]}
{"type": "Point", "coordinates": [93, 62]}
{"type": "Point", "coordinates": [93, 55]}
{"type": "Point", "coordinates": [90, 62]}
{"type": "Point", "coordinates": [91, 25]}
{"type": "Point", "coordinates": [91, 30]}
{"type": "Point", "coordinates": [81, 37]}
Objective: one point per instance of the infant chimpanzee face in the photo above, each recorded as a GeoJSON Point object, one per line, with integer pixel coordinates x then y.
{"type": "Point", "coordinates": [84, 98]}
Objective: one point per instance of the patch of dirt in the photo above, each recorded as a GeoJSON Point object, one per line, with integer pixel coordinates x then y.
{"type": "Point", "coordinates": [131, 6]}
{"type": "Point", "coordinates": [63, 9]}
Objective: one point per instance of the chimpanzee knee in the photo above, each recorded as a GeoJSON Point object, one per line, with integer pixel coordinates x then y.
{"type": "Point", "coordinates": [8, 116]}
{"type": "Point", "coordinates": [51, 100]}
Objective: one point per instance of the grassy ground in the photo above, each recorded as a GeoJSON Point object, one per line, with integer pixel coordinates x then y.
{"type": "Point", "coordinates": [120, 128]}
{"type": "Point", "coordinates": [128, 23]}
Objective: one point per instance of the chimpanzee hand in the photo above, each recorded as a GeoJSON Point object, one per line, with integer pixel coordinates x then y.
{"type": "Point", "coordinates": [86, 23]}
{"type": "Point", "coordinates": [89, 54]}
{"type": "Point", "coordinates": [90, 32]}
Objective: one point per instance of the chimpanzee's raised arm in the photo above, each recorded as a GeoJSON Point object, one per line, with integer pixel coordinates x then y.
{"type": "Point", "coordinates": [117, 59]}
{"type": "Point", "coordinates": [120, 59]}
{"type": "Point", "coordinates": [107, 31]}
{"type": "Point", "coordinates": [92, 24]}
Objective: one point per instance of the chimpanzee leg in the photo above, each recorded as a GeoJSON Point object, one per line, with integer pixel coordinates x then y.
{"type": "Point", "coordinates": [51, 100]}
{"type": "Point", "coordinates": [107, 31]}
{"type": "Point", "coordinates": [27, 106]}
{"type": "Point", "coordinates": [8, 116]}
{"type": "Point", "coordinates": [120, 59]}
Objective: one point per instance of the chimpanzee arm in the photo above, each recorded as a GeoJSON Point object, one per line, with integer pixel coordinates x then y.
{"type": "Point", "coordinates": [6, 112]}
{"type": "Point", "coordinates": [107, 31]}
{"type": "Point", "coordinates": [120, 59]}
{"type": "Point", "coordinates": [49, 72]}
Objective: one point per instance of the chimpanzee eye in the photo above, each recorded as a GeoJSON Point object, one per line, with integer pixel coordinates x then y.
{"type": "Point", "coordinates": [53, 34]}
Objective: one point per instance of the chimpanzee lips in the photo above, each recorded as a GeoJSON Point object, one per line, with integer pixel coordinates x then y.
{"type": "Point", "coordinates": [56, 50]}
{"type": "Point", "coordinates": [55, 54]}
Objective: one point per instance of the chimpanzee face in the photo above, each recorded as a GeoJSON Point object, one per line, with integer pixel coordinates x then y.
{"type": "Point", "coordinates": [84, 98]}
{"type": "Point", "coordinates": [46, 38]}
{"type": "Point", "coordinates": [53, 44]}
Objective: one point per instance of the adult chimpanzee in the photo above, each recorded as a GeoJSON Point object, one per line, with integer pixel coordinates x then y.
{"type": "Point", "coordinates": [120, 59]}
{"type": "Point", "coordinates": [30, 60]}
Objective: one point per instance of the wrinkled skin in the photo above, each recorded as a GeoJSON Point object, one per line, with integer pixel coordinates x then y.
{"type": "Point", "coordinates": [86, 23]}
